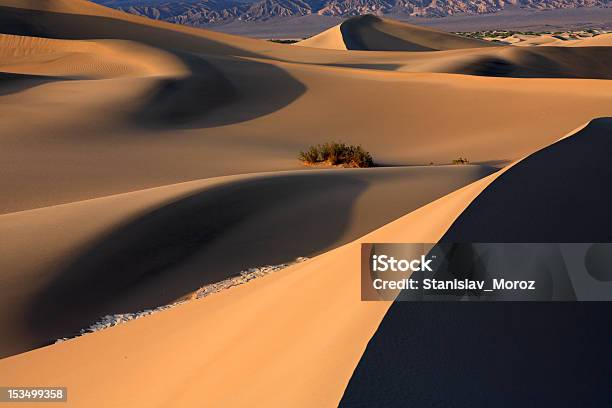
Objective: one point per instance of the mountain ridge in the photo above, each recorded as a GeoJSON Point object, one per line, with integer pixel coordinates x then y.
{"type": "Point", "coordinates": [201, 12]}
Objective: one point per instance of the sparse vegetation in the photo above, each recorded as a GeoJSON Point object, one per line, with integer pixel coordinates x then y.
{"type": "Point", "coordinates": [461, 160]}
{"type": "Point", "coordinates": [283, 41]}
{"type": "Point", "coordinates": [499, 35]}
{"type": "Point", "coordinates": [337, 154]}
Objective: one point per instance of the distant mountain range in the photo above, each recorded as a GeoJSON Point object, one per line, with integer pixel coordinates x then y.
{"type": "Point", "coordinates": [200, 12]}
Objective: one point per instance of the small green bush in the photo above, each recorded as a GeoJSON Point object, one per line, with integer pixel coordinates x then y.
{"type": "Point", "coordinates": [461, 160]}
{"type": "Point", "coordinates": [335, 153]}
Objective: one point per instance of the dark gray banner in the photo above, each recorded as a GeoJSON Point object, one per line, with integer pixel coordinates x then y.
{"type": "Point", "coordinates": [33, 394]}
{"type": "Point", "coordinates": [487, 272]}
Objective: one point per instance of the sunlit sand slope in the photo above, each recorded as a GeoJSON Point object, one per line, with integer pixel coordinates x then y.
{"type": "Point", "coordinates": [85, 59]}
{"type": "Point", "coordinates": [330, 39]}
{"type": "Point", "coordinates": [294, 336]}
{"type": "Point", "coordinates": [125, 134]}
{"type": "Point", "coordinates": [144, 249]}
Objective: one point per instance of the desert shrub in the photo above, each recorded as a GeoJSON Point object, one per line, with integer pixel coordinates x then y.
{"type": "Point", "coordinates": [335, 153]}
{"type": "Point", "coordinates": [311, 155]}
{"type": "Point", "coordinates": [461, 160]}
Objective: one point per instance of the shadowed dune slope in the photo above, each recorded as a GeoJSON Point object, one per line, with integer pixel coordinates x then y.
{"type": "Point", "coordinates": [12, 83]}
{"type": "Point", "coordinates": [558, 194]}
{"type": "Point", "coordinates": [565, 182]}
{"type": "Point", "coordinates": [517, 62]}
{"type": "Point", "coordinates": [372, 33]}
{"type": "Point", "coordinates": [182, 86]}
{"type": "Point", "coordinates": [148, 248]}
{"type": "Point", "coordinates": [307, 323]}
{"type": "Point", "coordinates": [540, 62]}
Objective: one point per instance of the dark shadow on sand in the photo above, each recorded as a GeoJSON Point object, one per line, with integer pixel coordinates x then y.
{"type": "Point", "coordinates": [358, 35]}
{"type": "Point", "coordinates": [199, 239]}
{"type": "Point", "coordinates": [213, 96]}
{"type": "Point", "coordinates": [378, 67]}
{"type": "Point", "coordinates": [11, 83]}
{"type": "Point", "coordinates": [186, 102]}
{"type": "Point", "coordinates": [217, 232]}
{"type": "Point", "coordinates": [474, 354]}
{"type": "Point", "coordinates": [543, 62]}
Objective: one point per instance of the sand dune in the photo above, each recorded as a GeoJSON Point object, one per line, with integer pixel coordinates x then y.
{"type": "Point", "coordinates": [300, 289]}
{"type": "Point", "coordinates": [533, 40]}
{"type": "Point", "coordinates": [577, 163]}
{"type": "Point", "coordinates": [515, 62]}
{"type": "Point", "coordinates": [554, 62]}
{"type": "Point", "coordinates": [550, 40]}
{"type": "Point", "coordinates": [246, 125]}
{"type": "Point", "coordinates": [330, 39]}
{"type": "Point", "coordinates": [85, 59]}
{"type": "Point", "coordinates": [524, 204]}
{"type": "Point", "coordinates": [302, 302]}
{"type": "Point", "coordinates": [372, 33]}
{"type": "Point", "coordinates": [82, 19]}
{"type": "Point", "coordinates": [112, 24]}
{"type": "Point", "coordinates": [197, 230]}
{"type": "Point", "coordinates": [140, 160]}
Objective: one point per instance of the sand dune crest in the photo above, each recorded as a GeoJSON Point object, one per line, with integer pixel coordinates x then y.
{"type": "Point", "coordinates": [372, 33]}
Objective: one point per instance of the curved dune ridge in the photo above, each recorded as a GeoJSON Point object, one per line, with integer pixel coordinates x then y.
{"type": "Point", "coordinates": [192, 228]}
{"type": "Point", "coordinates": [177, 86]}
{"type": "Point", "coordinates": [553, 62]}
{"type": "Point", "coordinates": [141, 160]}
{"type": "Point", "coordinates": [85, 59]}
{"type": "Point", "coordinates": [305, 302]}
{"type": "Point", "coordinates": [534, 197]}
{"type": "Point", "coordinates": [81, 19]}
{"type": "Point", "coordinates": [285, 302]}
{"type": "Point", "coordinates": [372, 33]}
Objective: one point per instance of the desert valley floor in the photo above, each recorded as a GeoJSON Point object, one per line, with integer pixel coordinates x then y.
{"type": "Point", "coordinates": [141, 160]}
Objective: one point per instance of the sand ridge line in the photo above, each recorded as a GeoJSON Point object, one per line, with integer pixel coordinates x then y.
{"type": "Point", "coordinates": [89, 59]}
{"type": "Point", "coordinates": [243, 277]}
{"type": "Point", "coordinates": [373, 33]}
